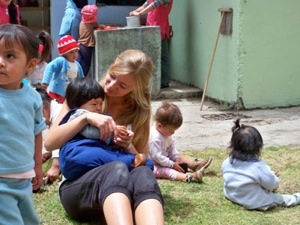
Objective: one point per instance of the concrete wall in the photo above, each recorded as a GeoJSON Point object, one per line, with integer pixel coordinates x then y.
{"type": "Point", "coordinates": [254, 67]}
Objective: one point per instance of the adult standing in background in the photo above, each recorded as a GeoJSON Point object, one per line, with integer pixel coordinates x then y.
{"type": "Point", "coordinates": [72, 17]}
{"type": "Point", "coordinates": [9, 12]}
{"type": "Point", "coordinates": [158, 15]}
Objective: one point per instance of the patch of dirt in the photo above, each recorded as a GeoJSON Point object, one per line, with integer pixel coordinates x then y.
{"type": "Point", "coordinates": [225, 116]}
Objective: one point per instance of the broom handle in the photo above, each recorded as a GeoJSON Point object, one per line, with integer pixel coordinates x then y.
{"type": "Point", "coordinates": [211, 62]}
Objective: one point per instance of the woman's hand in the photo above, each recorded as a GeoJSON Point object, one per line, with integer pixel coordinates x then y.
{"type": "Point", "coordinates": [104, 123]}
{"type": "Point", "coordinates": [134, 13]}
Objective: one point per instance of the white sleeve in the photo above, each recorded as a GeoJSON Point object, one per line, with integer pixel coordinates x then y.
{"type": "Point", "coordinates": [156, 154]}
{"type": "Point", "coordinates": [55, 153]}
{"type": "Point", "coordinates": [54, 110]}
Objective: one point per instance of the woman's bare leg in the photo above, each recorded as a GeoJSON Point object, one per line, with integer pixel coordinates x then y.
{"type": "Point", "coordinates": [117, 210]}
{"type": "Point", "coordinates": [149, 212]}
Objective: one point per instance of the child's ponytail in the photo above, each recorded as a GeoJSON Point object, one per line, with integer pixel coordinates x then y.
{"type": "Point", "coordinates": [46, 42]}
{"type": "Point", "coordinates": [236, 125]}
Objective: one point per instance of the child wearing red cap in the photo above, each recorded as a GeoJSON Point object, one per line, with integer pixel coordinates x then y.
{"type": "Point", "coordinates": [62, 70]}
{"type": "Point", "coordinates": [86, 36]}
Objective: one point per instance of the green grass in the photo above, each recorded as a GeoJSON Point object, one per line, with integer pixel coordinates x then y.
{"type": "Point", "coordinates": [192, 203]}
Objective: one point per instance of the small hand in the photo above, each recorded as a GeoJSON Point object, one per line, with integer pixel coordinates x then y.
{"type": "Point", "coordinates": [179, 160]}
{"type": "Point", "coordinates": [51, 176]}
{"type": "Point", "coordinates": [37, 181]}
{"type": "Point", "coordinates": [46, 156]}
{"type": "Point", "coordinates": [177, 167]}
{"type": "Point", "coordinates": [124, 141]}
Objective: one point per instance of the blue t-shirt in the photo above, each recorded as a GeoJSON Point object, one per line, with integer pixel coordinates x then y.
{"type": "Point", "coordinates": [21, 119]}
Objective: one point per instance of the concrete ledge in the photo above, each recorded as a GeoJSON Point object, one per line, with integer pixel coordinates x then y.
{"type": "Point", "coordinates": [178, 90]}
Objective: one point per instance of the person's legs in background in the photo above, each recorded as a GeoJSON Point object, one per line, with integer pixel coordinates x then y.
{"type": "Point", "coordinates": [85, 58]}
{"type": "Point", "coordinates": [165, 63]}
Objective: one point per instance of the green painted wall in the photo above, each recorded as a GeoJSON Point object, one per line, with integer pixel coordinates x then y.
{"type": "Point", "coordinates": [257, 66]}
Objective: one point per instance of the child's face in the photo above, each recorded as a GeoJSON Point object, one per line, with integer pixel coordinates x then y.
{"type": "Point", "coordinates": [166, 130]}
{"type": "Point", "coordinates": [71, 55]}
{"type": "Point", "coordinates": [5, 2]}
{"type": "Point", "coordinates": [118, 85]}
{"type": "Point", "coordinates": [94, 105]}
{"type": "Point", "coordinates": [13, 66]}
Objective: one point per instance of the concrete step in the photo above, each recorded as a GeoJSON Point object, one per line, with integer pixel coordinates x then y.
{"type": "Point", "coordinates": [177, 90]}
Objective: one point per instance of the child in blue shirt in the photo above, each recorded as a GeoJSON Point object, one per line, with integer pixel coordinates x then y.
{"type": "Point", "coordinates": [21, 125]}
{"type": "Point", "coordinates": [62, 70]}
{"type": "Point", "coordinates": [248, 180]}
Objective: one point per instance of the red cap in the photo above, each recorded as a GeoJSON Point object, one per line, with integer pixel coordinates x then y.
{"type": "Point", "coordinates": [66, 44]}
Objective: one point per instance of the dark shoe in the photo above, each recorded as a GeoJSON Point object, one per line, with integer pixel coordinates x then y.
{"type": "Point", "coordinates": [164, 85]}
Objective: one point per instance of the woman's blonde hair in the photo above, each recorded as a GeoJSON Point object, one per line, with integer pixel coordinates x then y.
{"type": "Point", "coordinates": [138, 113]}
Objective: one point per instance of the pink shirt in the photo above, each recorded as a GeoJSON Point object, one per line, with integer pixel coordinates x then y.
{"type": "Point", "coordinates": [4, 17]}
{"type": "Point", "coordinates": [160, 17]}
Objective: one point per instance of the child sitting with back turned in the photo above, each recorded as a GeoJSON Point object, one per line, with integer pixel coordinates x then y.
{"type": "Point", "coordinates": [163, 152]}
{"type": "Point", "coordinates": [62, 70]}
{"type": "Point", "coordinates": [21, 125]}
{"type": "Point", "coordinates": [86, 151]}
{"type": "Point", "coordinates": [248, 180]}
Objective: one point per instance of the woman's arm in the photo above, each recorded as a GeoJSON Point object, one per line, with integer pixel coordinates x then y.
{"type": "Point", "coordinates": [58, 135]}
{"type": "Point", "coordinates": [144, 9]}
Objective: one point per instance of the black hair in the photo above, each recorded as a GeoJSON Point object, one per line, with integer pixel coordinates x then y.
{"type": "Point", "coordinates": [168, 114]}
{"type": "Point", "coordinates": [246, 142]}
{"type": "Point", "coordinates": [43, 93]}
{"type": "Point", "coordinates": [45, 98]}
{"type": "Point", "coordinates": [81, 90]}
{"type": "Point", "coordinates": [14, 33]}
{"type": "Point", "coordinates": [46, 40]}
{"type": "Point", "coordinates": [13, 13]}
{"type": "Point", "coordinates": [80, 3]}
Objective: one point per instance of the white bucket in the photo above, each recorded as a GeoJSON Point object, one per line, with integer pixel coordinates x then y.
{"type": "Point", "coordinates": [133, 21]}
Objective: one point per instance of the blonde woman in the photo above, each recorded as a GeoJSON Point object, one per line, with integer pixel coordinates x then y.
{"type": "Point", "coordinates": [123, 197]}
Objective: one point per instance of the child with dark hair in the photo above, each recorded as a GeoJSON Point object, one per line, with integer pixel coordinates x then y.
{"type": "Point", "coordinates": [35, 78]}
{"type": "Point", "coordinates": [9, 12]}
{"type": "Point", "coordinates": [21, 126]}
{"type": "Point", "coordinates": [86, 151]}
{"type": "Point", "coordinates": [248, 180]}
{"type": "Point", "coordinates": [167, 161]}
